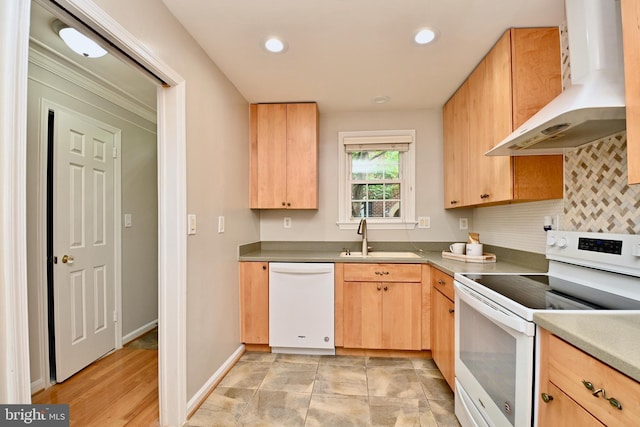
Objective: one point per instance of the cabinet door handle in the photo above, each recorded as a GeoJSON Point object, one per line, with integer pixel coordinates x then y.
{"type": "Point", "coordinates": [615, 403]}
{"type": "Point", "coordinates": [588, 385]}
{"type": "Point", "coordinates": [379, 287]}
{"type": "Point", "coordinates": [546, 398]}
{"type": "Point", "coordinates": [484, 196]}
{"type": "Point", "coordinates": [452, 310]}
{"type": "Point", "coordinates": [441, 282]}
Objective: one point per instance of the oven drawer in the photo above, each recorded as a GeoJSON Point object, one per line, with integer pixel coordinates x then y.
{"type": "Point", "coordinates": [569, 367]}
{"type": "Point", "coordinates": [356, 272]}
{"type": "Point", "coordinates": [443, 282]}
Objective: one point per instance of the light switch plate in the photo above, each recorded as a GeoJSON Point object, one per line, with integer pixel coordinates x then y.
{"type": "Point", "coordinates": [128, 221]}
{"type": "Point", "coordinates": [287, 222]}
{"type": "Point", "coordinates": [464, 224]}
{"type": "Point", "coordinates": [424, 222]}
{"type": "Point", "coordinates": [220, 224]}
{"type": "Point", "coordinates": [191, 224]}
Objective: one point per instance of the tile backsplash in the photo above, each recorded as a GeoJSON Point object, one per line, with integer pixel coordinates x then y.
{"type": "Point", "coordinates": [597, 197]}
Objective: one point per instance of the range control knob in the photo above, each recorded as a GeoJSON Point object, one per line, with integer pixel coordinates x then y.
{"type": "Point", "coordinates": [562, 242]}
{"type": "Point", "coordinates": [551, 241]}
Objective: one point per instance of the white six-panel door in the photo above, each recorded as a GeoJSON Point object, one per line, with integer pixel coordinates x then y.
{"type": "Point", "coordinates": [84, 300]}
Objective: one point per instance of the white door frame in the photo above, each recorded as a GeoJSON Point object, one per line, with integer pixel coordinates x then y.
{"type": "Point", "coordinates": [14, 335]}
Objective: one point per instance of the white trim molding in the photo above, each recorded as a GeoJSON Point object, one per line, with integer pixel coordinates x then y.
{"type": "Point", "coordinates": [15, 386]}
{"type": "Point", "coordinates": [14, 332]}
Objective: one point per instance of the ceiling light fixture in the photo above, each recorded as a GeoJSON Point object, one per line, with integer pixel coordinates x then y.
{"type": "Point", "coordinates": [275, 45]}
{"type": "Point", "coordinates": [78, 42]}
{"type": "Point", "coordinates": [425, 36]}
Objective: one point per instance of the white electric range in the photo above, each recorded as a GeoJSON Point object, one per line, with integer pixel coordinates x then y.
{"type": "Point", "coordinates": [495, 333]}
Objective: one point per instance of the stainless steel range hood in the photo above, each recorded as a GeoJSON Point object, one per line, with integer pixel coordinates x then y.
{"type": "Point", "coordinates": [593, 107]}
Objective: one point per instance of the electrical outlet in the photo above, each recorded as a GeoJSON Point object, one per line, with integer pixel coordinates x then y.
{"type": "Point", "coordinates": [220, 224]}
{"type": "Point", "coordinates": [287, 222]}
{"type": "Point", "coordinates": [424, 222]}
{"type": "Point", "coordinates": [464, 224]}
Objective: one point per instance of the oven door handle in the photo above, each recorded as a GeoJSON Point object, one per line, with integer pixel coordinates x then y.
{"type": "Point", "coordinates": [491, 311]}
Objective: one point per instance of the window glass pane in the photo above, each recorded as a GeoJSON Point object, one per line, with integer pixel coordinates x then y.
{"type": "Point", "coordinates": [375, 165]}
{"type": "Point", "coordinates": [392, 209]}
{"type": "Point", "coordinates": [376, 209]}
{"type": "Point", "coordinates": [358, 191]}
{"type": "Point", "coordinates": [375, 191]}
{"type": "Point", "coordinates": [375, 184]}
{"type": "Point", "coordinates": [392, 191]}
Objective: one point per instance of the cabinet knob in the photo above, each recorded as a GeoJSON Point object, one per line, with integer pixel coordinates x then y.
{"type": "Point", "coordinates": [441, 282]}
{"type": "Point", "coordinates": [386, 288]}
{"type": "Point", "coordinates": [546, 398]}
{"type": "Point", "coordinates": [264, 267]}
{"type": "Point", "coordinates": [451, 310]}
{"type": "Point", "coordinates": [283, 203]}
{"type": "Point", "coordinates": [288, 204]}
{"type": "Point", "coordinates": [379, 287]}
{"type": "Point", "coordinates": [484, 196]}
{"type": "Point", "coordinates": [453, 202]}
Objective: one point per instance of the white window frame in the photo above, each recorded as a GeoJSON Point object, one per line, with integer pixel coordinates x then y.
{"type": "Point", "coordinates": [407, 165]}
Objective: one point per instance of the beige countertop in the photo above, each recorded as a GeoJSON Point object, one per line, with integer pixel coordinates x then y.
{"type": "Point", "coordinates": [613, 338]}
{"type": "Point", "coordinates": [434, 258]}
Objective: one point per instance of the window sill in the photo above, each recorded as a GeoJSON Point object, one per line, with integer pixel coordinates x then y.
{"type": "Point", "coordinates": [378, 225]}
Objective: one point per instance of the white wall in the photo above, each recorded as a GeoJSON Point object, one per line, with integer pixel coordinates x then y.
{"type": "Point", "coordinates": [139, 197]}
{"type": "Point", "coordinates": [217, 184]}
{"type": "Point", "coordinates": [320, 225]}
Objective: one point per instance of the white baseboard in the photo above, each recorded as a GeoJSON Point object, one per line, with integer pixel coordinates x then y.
{"type": "Point", "coordinates": [204, 391]}
{"type": "Point", "coordinates": [37, 385]}
{"type": "Point", "coordinates": [138, 332]}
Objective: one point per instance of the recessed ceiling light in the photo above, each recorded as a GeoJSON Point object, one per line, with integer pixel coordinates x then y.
{"type": "Point", "coordinates": [381, 99]}
{"type": "Point", "coordinates": [78, 42]}
{"type": "Point", "coordinates": [275, 45]}
{"type": "Point", "coordinates": [425, 36]}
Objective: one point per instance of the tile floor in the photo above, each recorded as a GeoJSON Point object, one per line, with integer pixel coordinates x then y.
{"type": "Point", "coordinates": [266, 389]}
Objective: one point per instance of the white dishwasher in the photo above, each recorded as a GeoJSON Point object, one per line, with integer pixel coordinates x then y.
{"type": "Point", "coordinates": [301, 305]}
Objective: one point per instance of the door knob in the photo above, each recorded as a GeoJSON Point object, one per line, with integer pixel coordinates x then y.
{"type": "Point", "coordinates": [67, 259]}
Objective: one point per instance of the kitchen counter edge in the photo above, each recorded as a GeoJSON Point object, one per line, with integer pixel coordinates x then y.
{"type": "Point", "coordinates": [609, 337]}
{"type": "Point", "coordinates": [434, 258]}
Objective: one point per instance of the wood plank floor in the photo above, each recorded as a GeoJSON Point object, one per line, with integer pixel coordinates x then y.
{"type": "Point", "coordinates": [119, 390]}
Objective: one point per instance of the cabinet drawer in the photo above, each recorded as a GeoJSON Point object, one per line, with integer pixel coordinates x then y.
{"type": "Point", "coordinates": [442, 282]}
{"type": "Point", "coordinates": [569, 367]}
{"type": "Point", "coordinates": [382, 273]}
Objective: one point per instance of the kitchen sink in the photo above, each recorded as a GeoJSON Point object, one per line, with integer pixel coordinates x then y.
{"type": "Point", "coordinates": [379, 254]}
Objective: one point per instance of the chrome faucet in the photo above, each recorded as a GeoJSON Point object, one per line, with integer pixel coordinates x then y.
{"type": "Point", "coordinates": [362, 230]}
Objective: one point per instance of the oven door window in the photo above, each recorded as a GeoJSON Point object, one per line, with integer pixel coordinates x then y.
{"type": "Point", "coordinates": [494, 362]}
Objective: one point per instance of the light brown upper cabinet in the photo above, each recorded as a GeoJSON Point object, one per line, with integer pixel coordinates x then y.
{"type": "Point", "coordinates": [284, 156]}
{"type": "Point", "coordinates": [518, 77]}
{"type": "Point", "coordinates": [631, 42]}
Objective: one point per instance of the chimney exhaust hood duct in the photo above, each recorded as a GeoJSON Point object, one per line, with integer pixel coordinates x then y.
{"type": "Point", "coordinates": [593, 107]}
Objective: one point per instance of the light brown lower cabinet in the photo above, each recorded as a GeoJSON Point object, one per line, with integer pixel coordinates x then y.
{"type": "Point", "coordinates": [443, 326]}
{"type": "Point", "coordinates": [382, 306]}
{"type": "Point", "coordinates": [577, 389]}
{"type": "Point", "coordinates": [254, 302]}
